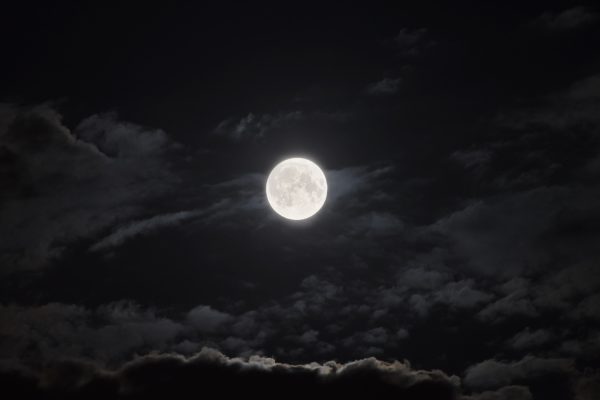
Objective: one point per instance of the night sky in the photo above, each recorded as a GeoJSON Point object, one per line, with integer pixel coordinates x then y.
{"type": "Point", "coordinates": [457, 255]}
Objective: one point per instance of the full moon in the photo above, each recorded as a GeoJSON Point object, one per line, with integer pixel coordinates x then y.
{"type": "Point", "coordinates": [296, 188]}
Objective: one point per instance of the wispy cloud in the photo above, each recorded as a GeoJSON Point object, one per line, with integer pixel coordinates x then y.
{"type": "Point", "coordinates": [142, 227]}
{"type": "Point", "coordinates": [386, 86]}
{"type": "Point", "coordinates": [570, 19]}
{"type": "Point", "coordinates": [411, 42]}
{"type": "Point", "coordinates": [255, 126]}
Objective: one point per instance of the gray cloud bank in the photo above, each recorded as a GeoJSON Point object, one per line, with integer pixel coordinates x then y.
{"type": "Point", "coordinates": [159, 375]}
{"type": "Point", "coordinates": [57, 349]}
{"type": "Point", "coordinates": [62, 185]}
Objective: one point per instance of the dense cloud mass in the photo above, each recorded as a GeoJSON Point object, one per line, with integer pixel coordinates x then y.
{"type": "Point", "coordinates": [61, 185]}
{"type": "Point", "coordinates": [159, 375]}
{"type": "Point", "coordinates": [571, 18]}
{"type": "Point", "coordinates": [210, 370]}
{"type": "Point", "coordinates": [456, 256]}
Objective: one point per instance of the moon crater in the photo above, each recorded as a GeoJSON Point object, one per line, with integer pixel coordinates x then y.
{"type": "Point", "coordinates": [296, 188]}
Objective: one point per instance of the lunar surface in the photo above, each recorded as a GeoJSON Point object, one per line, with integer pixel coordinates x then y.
{"type": "Point", "coordinates": [296, 188]}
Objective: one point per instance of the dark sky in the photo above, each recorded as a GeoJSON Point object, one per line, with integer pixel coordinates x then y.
{"type": "Point", "coordinates": [457, 254]}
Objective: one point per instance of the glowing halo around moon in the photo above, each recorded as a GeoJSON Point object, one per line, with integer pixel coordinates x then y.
{"type": "Point", "coordinates": [296, 188]}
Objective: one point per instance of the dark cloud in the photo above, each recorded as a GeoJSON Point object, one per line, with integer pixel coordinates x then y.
{"type": "Point", "coordinates": [206, 319]}
{"type": "Point", "coordinates": [386, 86]}
{"type": "Point", "coordinates": [505, 393]}
{"type": "Point", "coordinates": [494, 373]}
{"type": "Point", "coordinates": [412, 41]}
{"type": "Point", "coordinates": [460, 230]}
{"type": "Point", "coordinates": [527, 212]}
{"type": "Point", "coordinates": [142, 227]}
{"type": "Point", "coordinates": [376, 224]}
{"type": "Point", "coordinates": [589, 307]}
{"type": "Point", "coordinates": [515, 303]}
{"type": "Point", "coordinates": [562, 289]}
{"type": "Point", "coordinates": [569, 19]}
{"type": "Point", "coordinates": [347, 182]}
{"type": "Point", "coordinates": [156, 375]}
{"type": "Point", "coordinates": [36, 339]}
{"type": "Point", "coordinates": [462, 294]}
{"type": "Point", "coordinates": [588, 386]}
{"type": "Point", "coordinates": [566, 289]}
{"type": "Point", "coordinates": [119, 139]}
{"type": "Point", "coordinates": [255, 126]}
{"type": "Point", "coordinates": [34, 336]}
{"type": "Point", "coordinates": [423, 278]}
{"type": "Point", "coordinates": [584, 347]}
{"type": "Point", "coordinates": [502, 236]}
{"type": "Point", "coordinates": [574, 107]}
{"type": "Point", "coordinates": [67, 185]}
{"type": "Point", "coordinates": [528, 339]}
{"type": "Point", "coordinates": [160, 375]}
{"type": "Point", "coordinates": [477, 158]}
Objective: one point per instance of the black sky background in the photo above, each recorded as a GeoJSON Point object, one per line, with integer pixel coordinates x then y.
{"type": "Point", "coordinates": [456, 256]}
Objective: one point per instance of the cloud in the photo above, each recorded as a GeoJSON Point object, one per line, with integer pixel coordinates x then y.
{"type": "Point", "coordinates": [505, 393]}
{"type": "Point", "coordinates": [210, 371]}
{"type": "Point", "coordinates": [255, 126]}
{"type": "Point", "coordinates": [462, 294]}
{"type": "Point", "coordinates": [575, 107]}
{"type": "Point", "coordinates": [143, 227]}
{"type": "Point", "coordinates": [584, 347]}
{"type": "Point", "coordinates": [502, 236]}
{"type": "Point", "coordinates": [513, 304]}
{"type": "Point", "coordinates": [164, 374]}
{"type": "Point", "coordinates": [532, 222]}
{"type": "Point", "coordinates": [569, 19]}
{"type": "Point", "coordinates": [537, 144]}
{"type": "Point", "coordinates": [121, 139]}
{"type": "Point", "coordinates": [65, 185]}
{"type": "Point", "coordinates": [589, 307]}
{"type": "Point", "coordinates": [108, 334]}
{"type": "Point", "coordinates": [588, 386]}
{"type": "Point", "coordinates": [423, 289]}
{"type": "Point", "coordinates": [586, 89]}
{"type": "Point", "coordinates": [423, 278]}
{"type": "Point", "coordinates": [44, 342]}
{"type": "Point", "coordinates": [493, 373]}
{"type": "Point", "coordinates": [376, 224]}
{"type": "Point", "coordinates": [347, 181]}
{"type": "Point", "coordinates": [568, 289]}
{"type": "Point", "coordinates": [476, 158]}
{"type": "Point", "coordinates": [412, 41]}
{"type": "Point", "coordinates": [386, 86]}
{"type": "Point", "coordinates": [562, 289]}
{"type": "Point", "coordinates": [207, 319]}
{"type": "Point", "coordinates": [527, 339]}
{"type": "Point", "coordinates": [236, 198]}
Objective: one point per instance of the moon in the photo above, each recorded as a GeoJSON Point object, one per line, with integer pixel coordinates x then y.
{"type": "Point", "coordinates": [296, 188]}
